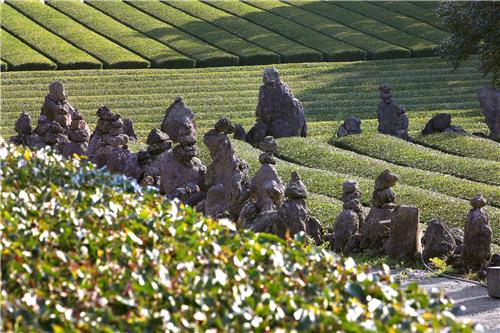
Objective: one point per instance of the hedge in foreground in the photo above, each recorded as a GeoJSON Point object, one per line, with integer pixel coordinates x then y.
{"type": "Point", "coordinates": [84, 250]}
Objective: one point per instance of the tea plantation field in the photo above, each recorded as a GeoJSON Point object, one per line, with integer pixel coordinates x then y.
{"type": "Point", "coordinates": [439, 173]}
{"type": "Point", "coordinates": [68, 34]}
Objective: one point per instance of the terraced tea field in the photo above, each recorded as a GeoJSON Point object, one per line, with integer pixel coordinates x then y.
{"type": "Point", "coordinates": [439, 173]}
{"type": "Point", "coordinates": [69, 34]}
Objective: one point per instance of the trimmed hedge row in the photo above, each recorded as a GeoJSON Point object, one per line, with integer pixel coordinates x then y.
{"type": "Point", "coordinates": [248, 53]}
{"type": "Point", "coordinates": [413, 10]}
{"type": "Point", "coordinates": [205, 55]}
{"type": "Point", "coordinates": [376, 48]}
{"type": "Point", "coordinates": [288, 50]}
{"type": "Point", "coordinates": [404, 153]}
{"type": "Point", "coordinates": [332, 50]}
{"type": "Point", "coordinates": [65, 55]}
{"type": "Point", "coordinates": [461, 145]}
{"type": "Point", "coordinates": [110, 54]}
{"type": "Point", "coordinates": [3, 66]}
{"type": "Point", "coordinates": [396, 20]}
{"type": "Point", "coordinates": [431, 5]}
{"type": "Point", "coordinates": [21, 57]}
{"type": "Point", "coordinates": [321, 155]}
{"type": "Point", "coordinates": [158, 54]}
{"type": "Point", "coordinates": [418, 46]}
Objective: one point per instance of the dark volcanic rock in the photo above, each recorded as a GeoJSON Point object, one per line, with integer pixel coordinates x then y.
{"type": "Point", "coordinates": [477, 234]}
{"type": "Point", "coordinates": [438, 240]}
{"type": "Point", "coordinates": [351, 125]}
{"type": "Point", "coordinates": [279, 113]}
{"type": "Point", "coordinates": [128, 129]}
{"type": "Point", "coordinates": [404, 235]}
{"type": "Point", "coordinates": [23, 124]}
{"type": "Point", "coordinates": [489, 100]}
{"type": "Point", "coordinates": [383, 195]}
{"type": "Point", "coordinates": [392, 118]}
{"type": "Point", "coordinates": [375, 228]}
{"type": "Point", "coordinates": [437, 124]}
{"type": "Point", "coordinates": [179, 123]}
{"type": "Point", "coordinates": [239, 133]}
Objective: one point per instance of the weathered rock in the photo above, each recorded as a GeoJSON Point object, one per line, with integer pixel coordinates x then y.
{"type": "Point", "coordinates": [128, 129]}
{"type": "Point", "coordinates": [182, 171]}
{"type": "Point", "coordinates": [455, 129]}
{"type": "Point", "coordinates": [156, 136]}
{"type": "Point", "coordinates": [437, 124]}
{"type": "Point", "coordinates": [56, 107]}
{"type": "Point", "coordinates": [383, 195]}
{"type": "Point", "coordinates": [489, 100]}
{"type": "Point", "coordinates": [477, 234]}
{"type": "Point", "coordinates": [279, 113]}
{"type": "Point", "coordinates": [293, 213]}
{"type": "Point", "coordinates": [438, 240]}
{"type": "Point", "coordinates": [375, 228]}
{"type": "Point", "coordinates": [227, 177]}
{"type": "Point", "coordinates": [78, 148]}
{"type": "Point", "coordinates": [314, 229]}
{"type": "Point", "coordinates": [458, 235]}
{"type": "Point", "coordinates": [351, 125]}
{"type": "Point", "coordinates": [179, 123]}
{"type": "Point", "coordinates": [392, 118]}
{"type": "Point", "coordinates": [404, 234]}
{"type": "Point", "coordinates": [266, 188]}
{"type": "Point", "coordinates": [239, 133]}
{"type": "Point", "coordinates": [23, 124]}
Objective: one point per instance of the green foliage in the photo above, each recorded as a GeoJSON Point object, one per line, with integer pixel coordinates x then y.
{"type": "Point", "coordinates": [440, 266]}
{"type": "Point", "coordinates": [83, 250]}
{"type": "Point", "coordinates": [376, 48]}
{"type": "Point", "coordinates": [404, 153]}
{"type": "Point", "coordinates": [474, 29]}
{"type": "Point", "coordinates": [415, 11]}
{"type": "Point", "coordinates": [204, 54]}
{"type": "Point", "coordinates": [418, 46]}
{"type": "Point", "coordinates": [110, 54]}
{"type": "Point", "coordinates": [401, 22]}
{"type": "Point", "coordinates": [248, 53]}
{"type": "Point", "coordinates": [461, 145]}
{"type": "Point", "coordinates": [288, 50]}
{"type": "Point", "coordinates": [65, 55]}
{"type": "Point", "coordinates": [20, 56]}
{"type": "Point", "coordinates": [3, 66]}
{"type": "Point", "coordinates": [333, 50]}
{"type": "Point", "coordinates": [158, 54]}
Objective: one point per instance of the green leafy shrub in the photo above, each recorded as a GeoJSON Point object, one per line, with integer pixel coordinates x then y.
{"type": "Point", "coordinates": [248, 53]}
{"type": "Point", "coordinates": [396, 20]}
{"type": "Point", "coordinates": [158, 54]}
{"type": "Point", "coordinates": [375, 48]}
{"type": "Point", "coordinates": [332, 50]}
{"type": "Point", "coordinates": [288, 50]}
{"type": "Point", "coordinates": [20, 56]}
{"type": "Point", "coordinates": [84, 250]}
{"type": "Point", "coordinates": [418, 46]}
{"type": "Point", "coordinates": [110, 54]}
{"type": "Point", "coordinates": [415, 11]}
{"type": "Point", "coordinates": [204, 54]}
{"type": "Point", "coordinates": [65, 55]}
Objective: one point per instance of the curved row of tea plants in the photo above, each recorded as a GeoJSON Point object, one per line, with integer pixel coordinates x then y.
{"type": "Point", "coordinates": [83, 250]}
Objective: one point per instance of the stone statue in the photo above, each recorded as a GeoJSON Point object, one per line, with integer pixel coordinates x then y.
{"type": "Point", "coordinates": [179, 123]}
{"type": "Point", "coordinates": [477, 234]}
{"type": "Point", "coordinates": [489, 100]}
{"type": "Point", "coordinates": [392, 118]}
{"type": "Point", "coordinates": [279, 113]}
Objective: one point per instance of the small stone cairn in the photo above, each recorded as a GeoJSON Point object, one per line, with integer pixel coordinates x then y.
{"type": "Point", "coordinates": [279, 113]}
{"type": "Point", "coordinates": [152, 160]}
{"type": "Point", "coordinates": [392, 118]}
{"type": "Point", "coordinates": [227, 178]}
{"type": "Point", "coordinates": [441, 123]}
{"type": "Point", "coordinates": [347, 223]}
{"type": "Point", "coordinates": [477, 235]}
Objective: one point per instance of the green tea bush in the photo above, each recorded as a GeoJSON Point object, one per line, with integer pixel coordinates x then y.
{"type": "Point", "coordinates": [332, 50]}
{"type": "Point", "coordinates": [65, 55]}
{"type": "Point", "coordinates": [20, 56]}
{"type": "Point", "coordinates": [158, 54]}
{"type": "Point", "coordinates": [288, 50]}
{"type": "Point", "coordinates": [375, 48]}
{"type": "Point", "coordinates": [248, 53]}
{"type": "Point", "coordinates": [204, 54]}
{"type": "Point", "coordinates": [110, 54]}
{"type": "Point", "coordinates": [401, 22]}
{"type": "Point", "coordinates": [418, 46]}
{"type": "Point", "coordinates": [84, 251]}
{"type": "Point", "coordinates": [415, 11]}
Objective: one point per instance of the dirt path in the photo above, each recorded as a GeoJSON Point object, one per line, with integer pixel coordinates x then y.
{"type": "Point", "coordinates": [480, 308]}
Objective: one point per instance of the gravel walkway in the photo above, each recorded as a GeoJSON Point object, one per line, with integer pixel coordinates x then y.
{"type": "Point", "coordinates": [480, 308]}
